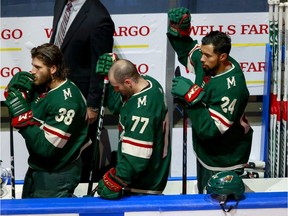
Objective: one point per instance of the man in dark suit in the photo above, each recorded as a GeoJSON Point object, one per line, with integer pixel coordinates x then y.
{"type": "Point", "coordinates": [89, 34]}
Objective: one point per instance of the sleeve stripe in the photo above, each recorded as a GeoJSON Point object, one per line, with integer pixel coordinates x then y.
{"type": "Point", "coordinates": [190, 65]}
{"type": "Point", "coordinates": [138, 143]}
{"type": "Point", "coordinates": [221, 122]}
{"type": "Point", "coordinates": [55, 136]}
{"type": "Point", "coordinates": [137, 148]}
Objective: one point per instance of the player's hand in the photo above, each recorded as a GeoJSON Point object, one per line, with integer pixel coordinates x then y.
{"type": "Point", "coordinates": [22, 81]}
{"type": "Point", "coordinates": [179, 22]}
{"type": "Point", "coordinates": [185, 89]}
{"type": "Point", "coordinates": [19, 108]}
{"type": "Point", "coordinates": [105, 62]}
{"type": "Point", "coordinates": [110, 187]}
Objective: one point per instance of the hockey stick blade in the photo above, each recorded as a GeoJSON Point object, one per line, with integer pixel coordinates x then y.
{"type": "Point", "coordinates": [177, 71]}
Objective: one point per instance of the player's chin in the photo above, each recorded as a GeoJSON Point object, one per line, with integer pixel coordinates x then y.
{"type": "Point", "coordinates": [205, 68]}
{"type": "Point", "coordinates": [37, 82]}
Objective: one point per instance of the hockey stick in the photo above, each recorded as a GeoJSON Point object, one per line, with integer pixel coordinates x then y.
{"type": "Point", "coordinates": [271, 119]}
{"type": "Point", "coordinates": [278, 93]}
{"type": "Point", "coordinates": [184, 156]}
{"type": "Point", "coordinates": [134, 190]}
{"type": "Point", "coordinates": [184, 181]}
{"type": "Point", "coordinates": [274, 99]}
{"type": "Point", "coordinates": [12, 160]}
{"type": "Point", "coordinates": [284, 140]}
{"type": "Point", "coordinates": [273, 104]}
{"type": "Point", "coordinates": [96, 145]}
{"type": "Point", "coordinates": [140, 191]}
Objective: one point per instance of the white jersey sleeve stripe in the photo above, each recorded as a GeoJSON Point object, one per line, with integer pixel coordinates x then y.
{"type": "Point", "coordinates": [137, 148]}
{"type": "Point", "coordinates": [145, 144]}
{"type": "Point", "coordinates": [55, 136]}
{"type": "Point", "coordinates": [221, 122]}
{"type": "Point", "coordinates": [190, 65]}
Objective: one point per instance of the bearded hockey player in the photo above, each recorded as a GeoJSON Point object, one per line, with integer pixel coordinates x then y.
{"type": "Point", "coordinates": [222, 136]}
{"type": "Point", "coordinates": [50, 113]}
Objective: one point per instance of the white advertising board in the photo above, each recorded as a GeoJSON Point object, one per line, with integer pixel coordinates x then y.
{"type": "Point", "coordinates": [142, 39]}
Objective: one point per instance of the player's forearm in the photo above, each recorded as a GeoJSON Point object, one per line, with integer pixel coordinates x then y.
{"type": "Point", "coordinates": [37, 142]}
{"type": "Point", "coordinates": [129, 167]}
{"type": "Point", "coordinates": [114, 100]}
{"type": "Point", "coordinates": [202, 122]}
{"type": "Point", "coordinates": [182, 47]}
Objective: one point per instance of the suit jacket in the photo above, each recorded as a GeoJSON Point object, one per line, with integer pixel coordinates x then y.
{"type": "Point", "coordinates": [89, 36]}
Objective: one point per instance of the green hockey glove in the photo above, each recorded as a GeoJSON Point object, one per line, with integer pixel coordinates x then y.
{"type": "Point", "coordinates": [179, 22]}
{"type": "Point", "coordinates": [19, 108]}
{"type": "Point", "coordinates": [105, 193]}
{"type": "Point", "coordinates": [100, 187]}
{"type": "Point", "coordinates": [22, 81]}
{"type": "Point", "coordinates": [110, 187]}
{"type": "Point", "coordinates": [185, 89]}
{"type": "Point", "coordinates": [105, 62]}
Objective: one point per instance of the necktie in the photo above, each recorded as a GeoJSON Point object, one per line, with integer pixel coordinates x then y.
{"type": "Point", "coordinates": [62, 29]}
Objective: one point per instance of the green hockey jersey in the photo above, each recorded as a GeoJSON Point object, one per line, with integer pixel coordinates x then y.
{"type": "Point", "coordinates": [62, 133]}
{"type": "Point", "coordinates": [144, 150]}
{"type": "Point", "coordinates": [221, 134]}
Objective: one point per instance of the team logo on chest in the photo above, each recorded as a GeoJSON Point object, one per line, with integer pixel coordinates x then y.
{"type": "Point", "coordinates": [141, 101]}
{"type": "Point", "coordinates": [231, 82]}
{"type": "Point", "coordinates": [67, 93]}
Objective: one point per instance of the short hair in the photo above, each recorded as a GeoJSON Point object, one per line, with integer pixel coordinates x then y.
{"type": "Point", "coordinates": [220, 40]}
{"type": "Point", "coordinates": [124, 69]}
{"type": "Point", "coordinates": [51, 55]}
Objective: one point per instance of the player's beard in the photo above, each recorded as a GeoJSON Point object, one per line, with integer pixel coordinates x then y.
{"type": "Point", "coordinates": [127, 93]}
{"type": "Point", "coordinates": [212, 71]}
{"type": "Point", "coordinates": [44, 79]}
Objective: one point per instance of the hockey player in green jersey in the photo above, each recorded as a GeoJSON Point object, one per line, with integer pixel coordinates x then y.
{"type": "Point", "coordinates": [52, 122]}
{"type": "Point", "coordinates": [144, 151]}
{"type": "Point", "coordinates": [221, 134]}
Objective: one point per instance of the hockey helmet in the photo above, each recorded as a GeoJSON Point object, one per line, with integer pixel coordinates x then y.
{"type": "Point", "coordinates": [224, 185]}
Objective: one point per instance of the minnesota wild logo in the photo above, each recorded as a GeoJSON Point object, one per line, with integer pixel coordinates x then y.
{"type": "Point", "coordinates": [228, 178]}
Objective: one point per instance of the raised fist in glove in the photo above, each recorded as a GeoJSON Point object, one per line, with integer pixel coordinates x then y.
{"type": "Point", "coordinates": [105, 62]}
{"type": "Point", "coordinates": [179, 22]}
{"type": "Point", "coordinates": [110, 187]}
{"type": "Point", "coordinates": [19, 108]}
{"type": "Point", "coordinates": [185, 89]}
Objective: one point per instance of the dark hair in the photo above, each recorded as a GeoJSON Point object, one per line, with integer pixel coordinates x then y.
{"type": "Point", "coordinates": [51, 55]}
{"type": "Point", "coordinates": [124, 69]}
{"type": "Point", "coordinates": [220, 40]}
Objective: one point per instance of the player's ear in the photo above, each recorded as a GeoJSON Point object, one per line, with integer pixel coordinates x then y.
{"type": "Point", "coordinates": [128, 82]}
{"type": "Point", "coordinates": [53, 69]}
{"type": "Point", "coordinates": [223, 56]}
